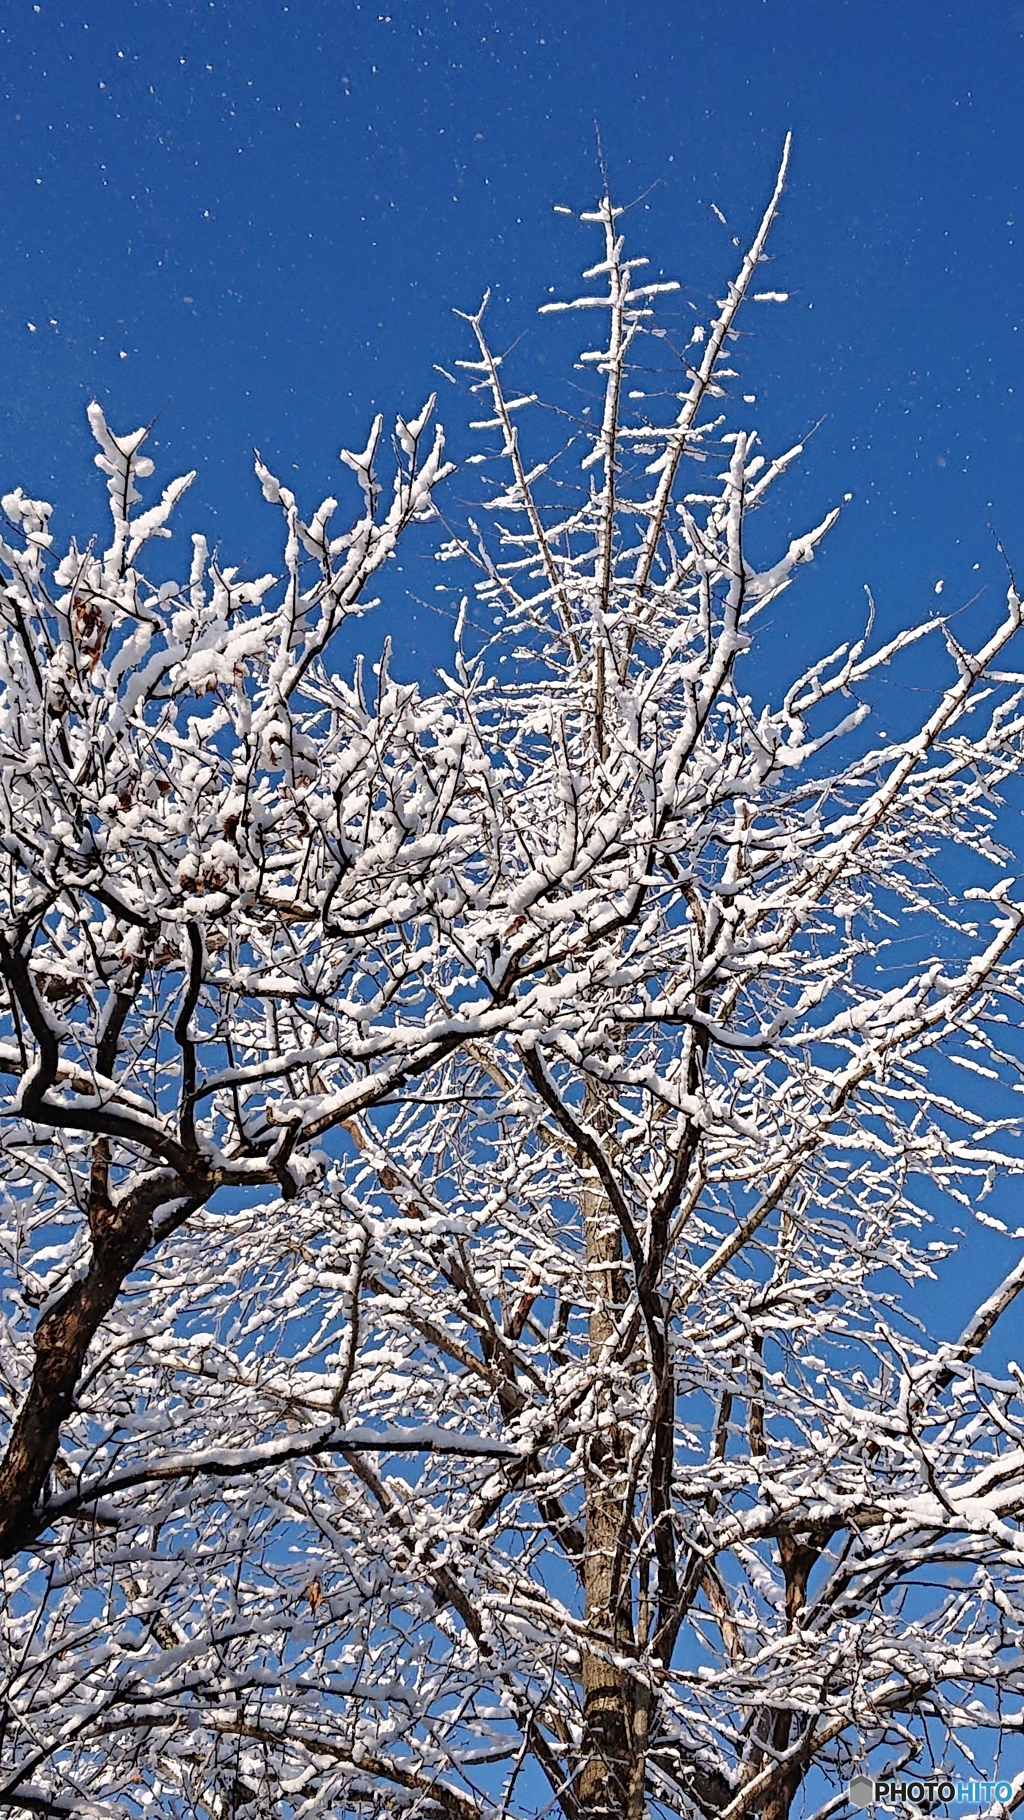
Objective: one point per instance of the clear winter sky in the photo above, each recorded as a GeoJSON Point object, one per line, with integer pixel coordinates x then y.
{"type": "Point", "coordinates": [256, 219]}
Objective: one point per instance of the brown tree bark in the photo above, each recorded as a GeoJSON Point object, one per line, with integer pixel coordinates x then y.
{"type": "Point", "coordinates": [611, 1768]}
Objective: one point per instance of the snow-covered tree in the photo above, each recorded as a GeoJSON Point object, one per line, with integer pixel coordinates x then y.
{"type": "Point", "coordinates": [468, 1151]}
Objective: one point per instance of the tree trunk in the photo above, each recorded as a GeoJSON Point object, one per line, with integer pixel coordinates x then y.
{"type": "Point", "coordinates": [611, 1770]}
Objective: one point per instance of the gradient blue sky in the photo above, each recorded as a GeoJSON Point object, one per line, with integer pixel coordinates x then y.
{"type": "Point", "coordinates": [257, 218]}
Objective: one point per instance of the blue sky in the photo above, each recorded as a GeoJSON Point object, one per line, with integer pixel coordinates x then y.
{"type": "Point", "coordinates": [256, 219]}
